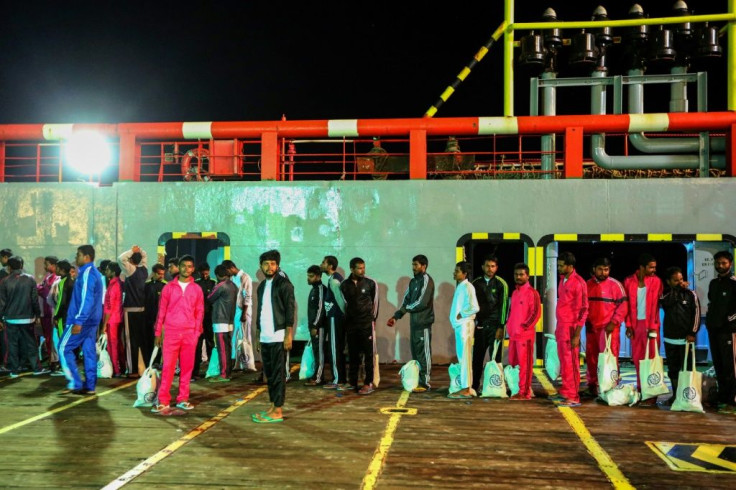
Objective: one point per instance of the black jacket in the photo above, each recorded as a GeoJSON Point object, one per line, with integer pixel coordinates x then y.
{"type": "Point", "coordinates": [207, 286]}
{"type": "Point", "coordinates": [152, 294]}
{"type": "Point", "coordinates": [721, 304]}
{"type": "Point", "coordinates": [19, 297]}
{"type": "Point", "coordinates": [223, 301]}
{"type": "Point", "coordinates": [65, 292]}
{"type": "Point", "coordinates": [283, 303]}
{"type": "Point", "coordinates": [134, 291]}
{"type": "Point", "coordinates": [681, 313]}
{"type": "Point", "coordinates": [419, 301]}
{"type": "Point", "coordinates": [316, 314]}
{"type": "Point", "coordinates": [361, 300]}
{"type": "Point", "coordinates": [493, 299]}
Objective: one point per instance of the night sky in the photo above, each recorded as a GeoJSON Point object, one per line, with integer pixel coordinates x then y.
{"type": "Point", "coordinates": [121, 61]}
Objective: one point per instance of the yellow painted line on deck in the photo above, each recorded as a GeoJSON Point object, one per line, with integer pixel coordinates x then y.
{"type": "Point", "coordinates": [379, 456]}
{"type": "Point", "coordinates": [605, 463]}
{"type": "Point", "coordinates": [8, 378]}
{"type": "Point", "coordinates": [144, 466]}
{"type": "Point", "coordinates": [85, 399]}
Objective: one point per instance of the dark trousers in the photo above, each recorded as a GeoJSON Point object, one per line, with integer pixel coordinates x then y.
{"type": "Point", "coordinates": [420, 342]}
{"type": "Point", "coordinates": [360, 342]}
{"type": "Point", "coordinates": [4, 347]}
{"type": "Point", "coordinates": [206, 340]}
{"type": "Point", "coordinates": [675, 362]}
{"type": "Point", "coordinates": [136, 340]}
{"type": "Point", "coordinates": [223, 341]}
{"type": "Point", "coordinates": [483, 341]}
{"type": "Point", "coordinates": [337, 349]}
{"type": "Point", "coordinates": [320, 344]}
{"type": "Point", "coordinates": [274, 367]}
{"type": "Point", "coordinates": [722, 351]}
{"type": "Point", "coordinates": [22, 347]}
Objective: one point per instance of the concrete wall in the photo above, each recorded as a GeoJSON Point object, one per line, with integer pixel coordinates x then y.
{"type": "Point", "coordinates": [385, 223]}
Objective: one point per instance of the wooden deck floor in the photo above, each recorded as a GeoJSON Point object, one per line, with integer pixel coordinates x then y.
{"type": "Point", "coordinates": [331, 441]}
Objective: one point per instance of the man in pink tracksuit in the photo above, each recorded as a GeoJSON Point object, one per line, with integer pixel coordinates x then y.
{"type": "Point", "coordinates": [524, 313]}
{"type": "Point", "coordinates": [180, 315]}
{"type": "Point", "coordinates": [572, 311]}
{"type": "Point", "coordinates": [112, 311]}
{"type": "Point", "coordinates": [643, 288]}
{"type": "Point", "coordinates": [607, 309]}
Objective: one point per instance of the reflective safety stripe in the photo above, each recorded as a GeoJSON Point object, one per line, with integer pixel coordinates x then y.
{"type": "Point", "coordinates": [342, 127]}
{"type": "Point", "coordinates": [197, 130]}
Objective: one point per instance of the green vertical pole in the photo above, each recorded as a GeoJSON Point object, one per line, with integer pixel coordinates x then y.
{"type": "Point", "coordinates": [508, 59]}
{"type": "Point", "coordinates": [731, 58]}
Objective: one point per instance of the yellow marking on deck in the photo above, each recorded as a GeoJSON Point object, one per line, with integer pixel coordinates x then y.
{"type": "Point", "coordinates": [709, 237]}
{"type": "Point", "coordinates": [605, 463]}
{"type": "Point", "coordinates": [704, 458]}
{"type": "Point", "coordinates": [144, 466]}
{"type": "Point", "coordinates": [30, 420]}
{"type": "Point", "coordinates": [8, 378]}
{"type": "Point", "coordinates": [659, 237]}
{"type": "Point", "coordinates": [379, 456]}
{"type": "Point", "coordinates": [512, 236]}
{"type": "Point", "coordinates": [612, 237]}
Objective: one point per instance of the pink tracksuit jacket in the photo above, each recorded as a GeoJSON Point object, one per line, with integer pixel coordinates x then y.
{"type": "Point", "coordinates": [180, 311]}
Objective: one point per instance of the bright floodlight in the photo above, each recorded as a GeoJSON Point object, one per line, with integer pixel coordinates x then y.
{"type": "Point", "coordinates": [88, 152]}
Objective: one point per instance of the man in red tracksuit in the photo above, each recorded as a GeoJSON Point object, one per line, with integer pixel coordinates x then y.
{"type": "Point", "coordinates": [572, 311]}
{"type": "Point", "coordinates": [112, 318]}
{"type": "Point", "coordinates": [643, 288]}
{"type": "Point", "coordinates": [180, 315]}
{"type": "Point", "coordinates": [606, 310]}
{"type": "Point", "coordinates": [524, 313]}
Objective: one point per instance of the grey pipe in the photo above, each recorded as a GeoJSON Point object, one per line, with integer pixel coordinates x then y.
{"type": "Point", "coordinates": [549, 101]}
{"type": "Point", "coordinates": [663, 145]}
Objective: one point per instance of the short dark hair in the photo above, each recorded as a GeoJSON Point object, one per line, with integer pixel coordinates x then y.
{"type": "Point", "coordinates": [601, 261]}
{"type": "Point", "coordinates": [63, 265]}
{"type": "Point", "coordinates": [158, 267]}
{"type": "Point", "coordinates": [103, 264]}
{"type": "Point", "coordinates": [6, 252]}
{"type": "Point", "coordinates": [221, 271]}
{"type": "Point", "coordinates": [173, 260]}
{"type": "Point", "coordinates": [421, 259]}
{"type": "Point", "coordinates": [88, 250]}
{"type": "Point", "coordinates": [567, 257]}
{"type": "Point", "coordinates": [51, 259]}
{"type": "Point", "coordinates": [115, 268]}
{"type": "Point", "coordinates": [645, 259]}
{"type": "Point", "coordinates": [521, 266]}
{"type": "Point", "coordinates": [15, 262]}
{"type": "Point", "coordinates": [490, 258]}
{"type": "Point", "coordinates": [186, 258]}
{"type": "Point", "coordinates": [135, 258]}
{"type": "Point", "coordinates": [356, 261]}
{"type": "Point", "coordinates": [204, 266]}
{"type": "Point", "coordinates": [464, 267]}
{"type": "Point", "coordinates": [270, 255]}
{"type": "Point", "coordinates": [331, 261]}
{"type": "Point", "coordinates": [671, 271]}
{"type": "Point", "coordinates": [723, 254]}
{"type": "Point", "coordinates": [314, 269]}
{"type": "Point", "coordinates": [229, 264]}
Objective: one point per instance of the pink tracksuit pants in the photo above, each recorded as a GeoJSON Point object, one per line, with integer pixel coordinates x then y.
{"type": "Point", "coordinates": [639, 345]}
{"type": "Point", "coordinates": [521, 353]}
{"type": "Point", "coordinates": [114, 346]}
{"type": "Point", "coordinates": [569, 362]}
{"type": "Point", "coordinates": [179, 345]}
{"type": "Point", "coordinates": [595, 344]}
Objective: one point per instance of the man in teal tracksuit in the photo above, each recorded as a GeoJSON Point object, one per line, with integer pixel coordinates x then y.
{"type": "Point", "coordinates": [419, 302]}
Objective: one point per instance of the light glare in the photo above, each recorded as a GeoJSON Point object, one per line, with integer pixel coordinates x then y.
{"type": "Point", "coordinates": [88, 152]}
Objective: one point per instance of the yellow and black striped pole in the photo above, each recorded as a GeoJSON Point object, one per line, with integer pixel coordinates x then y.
{"type": "Point", "coordinates": [466, 71]}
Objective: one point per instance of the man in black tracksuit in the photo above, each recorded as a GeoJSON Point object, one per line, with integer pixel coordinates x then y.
{"type": "Point", "coordinates": [274, 324]}
{"type": "Point", "coordinates": [721, 324]}
{"type": "Point", "coordinates": [151, 296]}
{"type": "Point", "coordinates": [222, 301]}
{"type": "Point", "coordinates": [493, 298]}
{"type": "Point", "coordinates": [138, 345]}
{"type": "Point", "coordinates": [419, 303]}
{"type": "Point", "coordinates": [205, 282]}
{"type": "Point", "coordinates": [681, 323]}
{"type": "Point", "coordinates": [316, 317]}
{"type": "Point", "coordinates": [361, 305]}
{"type": "Point", "coordinates": [335, 322]}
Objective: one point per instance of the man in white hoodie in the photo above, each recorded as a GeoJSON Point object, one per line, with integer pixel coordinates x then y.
{"type": "Point", "coordinates": [462, 318]}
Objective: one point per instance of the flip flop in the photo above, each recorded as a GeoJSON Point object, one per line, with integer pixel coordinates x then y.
{"type": "Point", "coordinates": [265, 419]}
{"type": "Point", "coordinates": [258, 414]}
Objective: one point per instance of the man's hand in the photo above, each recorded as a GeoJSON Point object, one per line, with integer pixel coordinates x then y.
{"type": "Point", "coordinates": [135, 249]}
{"type": "Point", "coordinates": [629, 332]}
{"type": "Point", "coordinates": [391, 322]}
{"type": "Point", "coordinates": [287, 342]}
{"type": "Point", "coordinates": [685, 285]}
{"type": "Point", "coordinates": [257, 342]}
{"type": "Point", "coordinates": [76, 329]}
{"type": "Point", "coordinates": [499, 334]}
{"type": "Point", "coordinates": [610, 327]}
{"type": "Point", "coordinates": [2, 326]}
{"type": "Point", "coordinates": [690, 338]}
{"type": "Point", "coordinates": [313, 332]}
{"type": "Point", "coordinates": [652, 333]}
{"type": "Point", "coordinates": [575, 341]}
{"type": "Point", "coordinates": [158, 341]}
{"type": "Point", "coordinates": [103, 328]}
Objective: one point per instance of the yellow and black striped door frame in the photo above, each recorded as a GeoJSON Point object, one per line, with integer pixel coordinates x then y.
{"type": "Point", "coordinates": [222, 238]}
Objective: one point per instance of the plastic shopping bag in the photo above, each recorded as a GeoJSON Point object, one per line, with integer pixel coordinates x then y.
{"type": "Point", "coordinates": [410, 375]}
{"type": "Point", "coordinates": [511, 376]}
{"type": "Point", "coordinates": [651, 374]}
{"type": "Point", "coordinates": [306, 370]}
{"type": "Point", "coordinates": [551, 359]}
{"type": "Point", "coordinates": [244, 347]}
{"type": "Point", "coordinates": [620, 395]}
{"type": "Point", "coordinates": [494, 385]}
{"type": "Point", "coordinates": [104, 364]}
{"type": "Point", "coordinates": [213, 368]}
{"type": "Point", "coordinates": [147, 386]}
{"type": "Point", "coordinates": [607, 368]}
{"type": "Point", "coordinates": [689, 396]}
{"type": "Point", "coordinates": [455, 378]}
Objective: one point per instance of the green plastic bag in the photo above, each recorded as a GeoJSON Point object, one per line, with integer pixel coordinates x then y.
{"type": "Point", "coordinates": [511, 376]}
{"type": "Point", "coordinates": [213, 370]}
{"type": "Point", "coordinates": [410, 375]}
{"type": "Point", "coordinates": [455, 377]}
{"type": "Point", "coordinates": [307, 368]}
{"type": "Point", "coordinates": [551, 359]}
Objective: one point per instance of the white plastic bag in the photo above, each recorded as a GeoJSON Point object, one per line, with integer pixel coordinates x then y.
{"type": "Point", "coordinates": [511, 376]}
{"type": "Point", "coordinates": [244, 347]}
{"type": "Point", "coordinates": [307, 367]}
{"type": "Point", "coordinates": [494, 384]}
{"type": "Point", "coordinates": [410, 375]}
{"type": "Point", "coordinates": [147, 386]}
{"type": "Point", "coordinates": [455, 373]}
{"type": "Point", "coordinates": [689, 394]}
{"type": "Point", "coordinates": [620, 395]}
{"type": "Point", "coordinates": [376, 361]}
{"type": "Point", "coordinates": [104, 364]}
{"type": "Point", "coordinates": [608, 376]}
{"type": "Point", "coordinates": [551, 358]}
{"type": "Point", "coordinates": [651, 373]}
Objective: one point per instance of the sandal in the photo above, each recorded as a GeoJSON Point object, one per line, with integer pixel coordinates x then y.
{"type": "Point", "coordinates": [265, 419]}
{"type": "Point", "coordinates": [185, 405]}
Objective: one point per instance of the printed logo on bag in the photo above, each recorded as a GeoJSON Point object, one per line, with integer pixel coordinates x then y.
{"type": "Point", "coordinates": [150, 397]}
{"type": "Point", "coordinates": [614, 375]}
{"type": "Point", "coordinates": [496, 380]}
{"type": "Point", "coordinates": [689, 393]}
{"type": "Point", "coordinates": [100, 364]}
{"type": "Point", "coordinates": [654, 379]}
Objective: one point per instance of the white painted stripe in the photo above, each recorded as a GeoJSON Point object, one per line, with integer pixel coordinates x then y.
{"type": "Point", "coordinates": [197, 130]}
{"type": "Point", "coordinates": [648, 122]}
{"type": "Point", "coordinates": [498, 125]}
{"type": "Point", "coordinates": [342, 127]}
{"type": "Point", "coordinates": [333, 340]}
{"type": "Point", "coordinates": [56, 132]}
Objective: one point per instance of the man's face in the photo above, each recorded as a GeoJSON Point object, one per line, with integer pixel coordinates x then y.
{"type": "Point", "coordinates": [4, 260]}
{"type": "Point", "coordinates": [158, 275]}
{"type": "Point", "coordinates": [269, 268]}
{"type": "Point", "coordinates": [49, 267]}
{"type": "Point", "coordinates": [489, 268]}
{"type": "Point", "coordinates": [63, 273]}
{"type": "Point", "coordinates": [521, 277]}
{"type": "Point", "coordinates": [109, 273]}
{"type": "Point", "coordinates": [324, 266]}
{"type": "Point", "coordinates": [650, 269]}
{"type": "Point", "coordinates": [601, 272]}
{"type": "Point", "coordinates": [81, 259]}
{"type": "Point", "coordinates": [186, 269]}
{"type": "Point", "coordinates": [459, 275]}
{"type": "Point", "coordinates": [563, 268]}
{"type": "Point", "coordinates": [73, 273]}
{"type": "Point", "coordinates": [173, 269]}
{"type": "Point", "coordinates": [359, 270]}
{"type": "Point", "coordinates": [313, 279]}
{"type": "Point", "coordinates": [675, 280]}
{"type": "Point", "coordinates": [205, 274]}
{"type": "Point", "coordinates": [418, 268]}
{"type": "Point", "coordinates": [723, 266]}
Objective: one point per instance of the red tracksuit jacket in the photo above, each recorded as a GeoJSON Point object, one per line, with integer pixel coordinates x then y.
{"type": "Point", "coordinates": [654, 291]}
{"type": "Point", "coordinates": [572, 301]}
{"type": "Point", "coordinates": [114, 301]}
{"type": "Point", "coordinates": [606, 303]}
{"type": "Point", "coordinates": [524, 313]}
{"type": "Point", "coordinates": [180, 311]}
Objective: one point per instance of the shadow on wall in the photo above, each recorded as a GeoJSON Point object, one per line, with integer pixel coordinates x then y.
{"type": "Point", "coordinates": [386, 309]}
{"type": "Point", "coordinates": [401, 334]}
{"type": "Point", "coordinates": [442, 331]}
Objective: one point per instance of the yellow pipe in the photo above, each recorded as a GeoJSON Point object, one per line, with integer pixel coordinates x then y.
{"type": "Point", "coordinates": [508, 60]}
{"type": "Point", "coordinates": [731, 96]}
{"type": "Point", "coordinates": [729, 17]}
